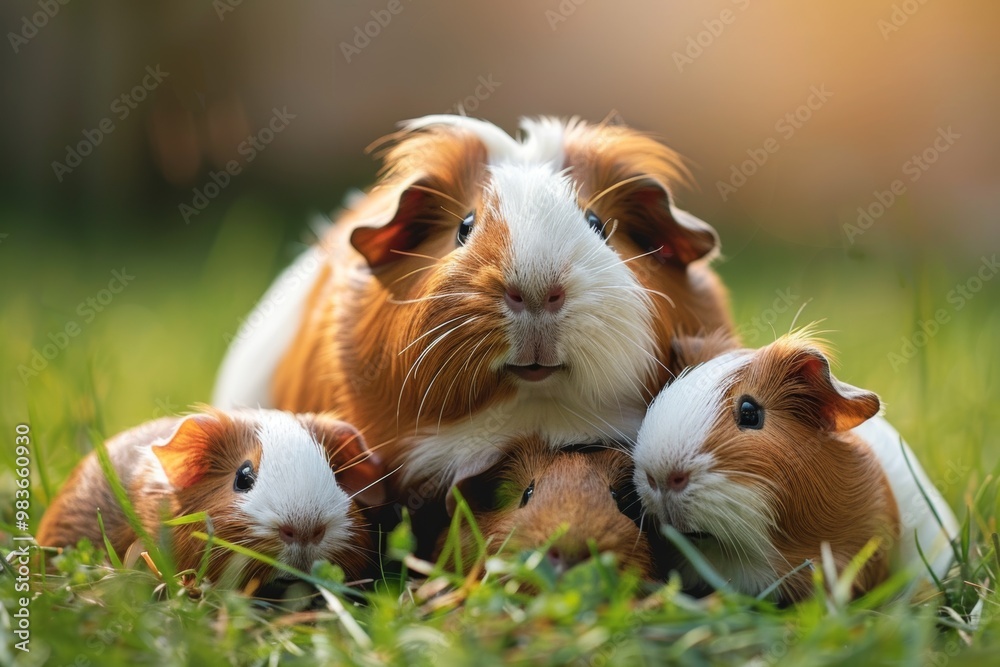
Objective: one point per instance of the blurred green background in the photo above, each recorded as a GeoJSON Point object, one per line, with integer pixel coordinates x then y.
{"type": "Point", "coordinates": [723, 82]}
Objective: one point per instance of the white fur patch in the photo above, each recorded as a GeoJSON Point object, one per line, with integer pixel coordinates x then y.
{"type": "Point", "coordinates": [296, 486]}
{"type": "Point", "coordinates": [679, 419]}
{"type": "Point", "coordinates": [917, 521]}
{"type": "Point", "coordinates": [602, 334]}
{"type": "Point", "coordinates": [671, 439]}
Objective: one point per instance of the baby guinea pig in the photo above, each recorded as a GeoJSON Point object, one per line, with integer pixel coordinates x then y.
{"type": "Point", "coordinates": [488, 286]}
{"type": "Point", "coordinates": [759, 456]}
{"type": "Point", "coordinates": [534, 492]}
{"type": "Point", "coordinates": [287, 486]}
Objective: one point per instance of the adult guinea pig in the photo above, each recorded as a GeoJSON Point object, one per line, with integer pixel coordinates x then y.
{"type": "Point", "coordinates": [759, 456]}
{"type": "Point", "coordinates": [534, 493]}
{"type": "Point", "coordinates": [487, 286]}
{"type": "Point", "coordinates": [287, 486]}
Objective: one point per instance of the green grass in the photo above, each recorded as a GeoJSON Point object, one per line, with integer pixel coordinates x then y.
{"type": "Point", "coordinates": [155, 347]}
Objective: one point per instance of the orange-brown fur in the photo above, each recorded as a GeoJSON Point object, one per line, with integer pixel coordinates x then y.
{"type": "Point", "coordinates": [231, 440]}
{"type": "Point", "coordinates": [351, 352]}
{"type": "Point", "coordinates": [572, 493]}
{"type": "Point", "coordinates": [823, 482]}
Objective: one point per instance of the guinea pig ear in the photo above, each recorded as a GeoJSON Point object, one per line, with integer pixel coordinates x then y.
{"type": "Point", "coordinates": [184, 455]}
{"type": "Point", "coordinates": [478, 485]}
{"type": "Point", "coordinates": [669, 234]}
{"type": "Point", "coordinates": [357, 469]}
{"type": "Point", "coordinates": [406, 230]}
{"type": "Point", "coordinates": [841, 406]}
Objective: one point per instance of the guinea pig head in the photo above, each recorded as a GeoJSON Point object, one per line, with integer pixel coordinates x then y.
{"type": "Point", "coordinates": [750, 455]}
{"type": "Point", "coordinates": [565, 500]}
{"type": "Point", "coordinates": [548, 272]}
{"type": "Point", "coordinates": [283, 485]}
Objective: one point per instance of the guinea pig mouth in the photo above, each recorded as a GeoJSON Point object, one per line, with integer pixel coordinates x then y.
{"type": "Point", "coordinates": [533, 372]}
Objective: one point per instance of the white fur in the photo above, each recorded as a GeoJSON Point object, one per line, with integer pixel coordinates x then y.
{"type": "Point", "coordinates": [602, 334]}
{"type": "Point", "coordinates": [670, 439]}
{"type": "Point", "coordinates": [917, 521]}
{"type": "Point", "coordinates": [295, 486]}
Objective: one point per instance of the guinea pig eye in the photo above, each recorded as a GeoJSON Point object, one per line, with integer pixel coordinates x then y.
{"type": "Point", "coordinates": [596, 223]}
{"type": "Point", "coordinates": [245, 477]}
{"type": "Point", "coordinates": [750, 415]}
{"type": "Point", "coordinates": [465, 228]}
{"type": "Point", "coordinates": [528, 492]}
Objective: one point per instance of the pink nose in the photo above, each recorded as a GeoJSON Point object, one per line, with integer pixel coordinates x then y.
{"type": "Point", "coordinates": [551, 301]}
{"type": "Point", "coordinates": [678, 480]}
{"type": "Point", "coordinates": [291, 535]}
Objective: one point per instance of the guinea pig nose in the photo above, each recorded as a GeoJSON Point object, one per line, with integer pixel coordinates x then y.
{"type": "Point", "coordinates": [549, 299]}
{"type": "Point", "coordinates": [514, 300]}
{"type": "Point", "coordinates": [290, 535]}
{"type": "Point", "coordinates": [678, 480]}
{"type": "Point", "coordinates": [554, 299]}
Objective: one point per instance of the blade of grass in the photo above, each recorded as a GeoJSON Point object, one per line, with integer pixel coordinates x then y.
{"type": "Point", "coordinates": [116, 562]}
{"type": "Point", "coordinates": [695, 557]}
{"type": "Point", "coordinates": [842, 587]}
{"type": "Point", "coordinates": [927, 499]}
{"type": "Point", "coordinates": [763, 595]}
{"type": "Point", "coordinates": [276, 564]}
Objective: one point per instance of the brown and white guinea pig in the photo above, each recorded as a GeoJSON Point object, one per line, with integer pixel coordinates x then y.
{"type": "Point", "coordinates": [759, 456]}
{"type": "Point", "coordinates": [535, 493]}
{"type": "Point", "coordinates": [287, 486]}
{"type": "Point", "coordinates": [488, 286]}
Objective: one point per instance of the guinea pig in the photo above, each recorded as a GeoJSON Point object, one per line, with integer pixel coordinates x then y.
{"type": "Point", "coordinates": [760, 456]}
{"type": "Point", "coordinates": [535, 493]}
{"type": "Point", "coordinates": [488, 286]}
{"type": "Point", "coordinates": [287, 486]}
